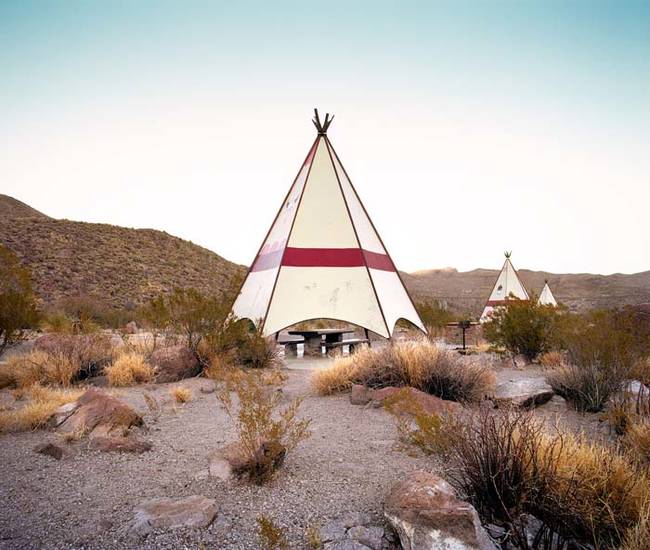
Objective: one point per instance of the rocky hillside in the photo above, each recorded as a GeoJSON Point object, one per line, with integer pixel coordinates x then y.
{"type": "Point", "coordinates": [466, 292]}
{"type": "Point", "coordinates": [120, 266]}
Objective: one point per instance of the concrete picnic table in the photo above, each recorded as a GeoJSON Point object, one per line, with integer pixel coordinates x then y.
{"type": "Point", "coordinates": [314, 338]}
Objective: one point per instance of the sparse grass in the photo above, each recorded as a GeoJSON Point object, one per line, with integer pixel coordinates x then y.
{"type": "Point", "coordinates": [129, 368]}
{"type": "Point", "coordinates": [153, 405]}
{"type": "Point", "coordinates": [637, 439]}
{"type": "Point", "coordinates": [420, 364]}
{"type": "Point", "coordinates": [314, 539]}
{"type": "Point", "coordinates": [42, 402]}
{"type": "Point", "coordinates": [587, 387]}
{"type": "Point", "coordinates": [89, 353]}
{"type": "Point", "coordinates": [552, 359]}
{"type": "Point", "coordinates": [181, 394]}
{"type": "Point", "coordinates": [273, 377]}
{"type": "Point", "coordinates": [272, 537]}
{"type": "Point", "coordinates": [637, 537]}
{"type": "Point", "coordinates": [266, 433]}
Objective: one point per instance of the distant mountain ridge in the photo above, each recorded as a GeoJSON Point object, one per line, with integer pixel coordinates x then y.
{"type": "Point", "coordinates": [125, 267]}
{"type": "Point", "coordinates": [120, 266]}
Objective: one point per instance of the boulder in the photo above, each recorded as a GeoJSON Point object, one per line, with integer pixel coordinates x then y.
{"type": "Point", "coordinates": [167, 513]}
{"type": "Point", "coordinates": [525, 393]}
{"type": "Point", "coordinates": [120, 444]}
{"type": "Point", "coordinates": [426, 513]}
{"type": "Point", "coordinates": [174, 363]}
{"type": "Point", "coordinates": [361, 395]}
{"type": "Point", "coordinates": [131, 327]}
{"type": "Point", "coordinates": [371, 537]}
{"type": "Point", "coordinates": [62, 413]}
{"type": "Point", "coordinates": [100, 413]}
{"type": "Point", "coordinates": [346, 544]}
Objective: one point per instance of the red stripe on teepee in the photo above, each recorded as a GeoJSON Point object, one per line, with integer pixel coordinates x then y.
{"type": "Point", "coordinates": [335, 257]}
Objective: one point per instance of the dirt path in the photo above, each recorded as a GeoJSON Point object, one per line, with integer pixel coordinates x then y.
{"type": "Point", "coordinates": [87, 500]}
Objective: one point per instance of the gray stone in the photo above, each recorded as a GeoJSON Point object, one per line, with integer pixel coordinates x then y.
{"type": "Point", "coordinates": [427, 515]}
{"type": "Point", "coordinates": [346, 544]}
{"type": "Point", "coordinates": [524, 393]}
{"type": "Point", "coordinates": [62, 413]}
{"type": "Point", "coordinates": [372, 537]}
{"type": "Point", "coordinates": [167, 513]}
{"type": "Point", "coordinates": [333, 531]}
{"type": "Point", "coordinates": [351, 519]}
{"type": "Point", "coordinates": [360, 395]}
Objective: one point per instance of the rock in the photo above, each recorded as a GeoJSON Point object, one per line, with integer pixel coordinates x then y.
{"type": "Point", "coordinates": [62, 413]}
{"type": "Point", "coordinates": [99, 411]}
{"type": "Point", "coordinates": [346, 544]}
{"type": "Point", "coordinates": [131, 327]}
{"type": "Point", "coordinates": [167, 513]}
{"type": "Point", "coordinates": [333, 531]}
{"type": "Point", "coordinates": [429, 403]}
{"type": "Point", "coordinates": [119, 443]}
{"type": "Point", "coordinates": [51, 449]}
{"type": "Point", "coordinates": [225, 461]}
{"type": "Point", "coordinates": [174, 363]}
{"type": "Point", "coordinates": [524, 393]}
{"type": "Point", "coordinates": [372, 537]}
{"type": "Point", "coordinates": [426, 513]}
{"type": "Point", "coordinates": [352, 519]}
{"type": "Point", "coordinates": [520, 361]}
{"type": "Point", "coordinates": [207, 388]}
{"type": "Point", "coordinates": [635, 387]}
{"type": "Point", "coordinates": [360, 395]}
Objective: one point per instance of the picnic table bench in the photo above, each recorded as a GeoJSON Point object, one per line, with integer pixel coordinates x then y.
{"type": "Point", "coordinates": [315, 340]}
{"type": "Point", "coordinates": [353, 343]}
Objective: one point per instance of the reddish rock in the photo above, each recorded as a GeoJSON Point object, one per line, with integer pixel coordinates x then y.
{"type": "Point", "coordinates": [167, 513]}
{"type": "Point", "coordinates": [174, 363]}
{"type": "Point", "coordinates": [99, 411]}
{"type": "Point", "coordinates": [427, 515]}
{"type": "Point", "coordinates": [431, 404]}
{"type": "Point", "coordinates": [120, 444]}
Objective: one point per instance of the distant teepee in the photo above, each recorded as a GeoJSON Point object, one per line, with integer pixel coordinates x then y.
{"type": "Point", "coordinates": [323, 258]}
{"type": "Point", "coordinates": [546, 298]}
{"type": "Point", "coordinates": [506, 287]}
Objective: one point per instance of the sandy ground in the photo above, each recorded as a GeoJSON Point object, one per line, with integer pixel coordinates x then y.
{"type": "Point", "coordinates": [87, 500]}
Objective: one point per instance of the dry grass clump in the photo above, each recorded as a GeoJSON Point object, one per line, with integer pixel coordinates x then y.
{"type": "Point", "coordinates": [637, 439]}
{"type": "Point", "coordinates": [265, 432]}
{"type": "Point", "coordinates": [552, 359]}
{"type": "Point", "coordinates": [420, 364]}
{"type": "Point", "coordinates": [88, 352]}
{"type": "Point", "coordinates": [129, 368]}
{"type": "Point", "coordinates": [510, 467]}
{"type": "Point", "coordinates": [181, 394]}
{"type": "Point", "coordinates": [272, 536]}
{"type": "Point", "coordinates": [587, 387]}
{"type": "Point", "coordinates": [37, 411]}
{"type": "Point", "coordinates": [38, 367]}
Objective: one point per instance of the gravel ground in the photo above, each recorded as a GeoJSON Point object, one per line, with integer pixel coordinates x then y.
{"type": "Point", "coordinates": [87, 500]}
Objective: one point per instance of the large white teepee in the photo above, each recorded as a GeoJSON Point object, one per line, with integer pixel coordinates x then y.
{"type": "Point", "coordinates": [323, 258]}
{"type": "Point", "coordinates": [506, 287]}
{"type": "Point", "coordinates": [546, 298]}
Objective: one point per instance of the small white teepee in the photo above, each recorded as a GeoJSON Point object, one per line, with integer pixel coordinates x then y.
{"type": "Point", "coordinates": [507, 286]}
{"type": "Point", "coordinates": [546, 297]}
{"type": "Point", "coordinates": [323, 258]}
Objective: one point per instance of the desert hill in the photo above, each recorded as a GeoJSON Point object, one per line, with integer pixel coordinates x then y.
{"type": "Point", "coordinates": [122, 267]}
{"type": "Point", "coordinates": [468, 291]}
{"type": "Point", "coordinates": [125, 267]}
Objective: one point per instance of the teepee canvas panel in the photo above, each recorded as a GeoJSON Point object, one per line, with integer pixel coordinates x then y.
{"type": "Point", "coordinates": [323, 257]}
{"type": "Point", "coordinates": [546, 297]}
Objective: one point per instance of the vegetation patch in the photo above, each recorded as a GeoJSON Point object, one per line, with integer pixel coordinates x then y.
{"type": "Point", "coordinates": [129, 368]}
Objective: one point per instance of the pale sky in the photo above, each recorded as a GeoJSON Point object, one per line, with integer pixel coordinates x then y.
{"type": "Point", "coordinates": [468, 128]}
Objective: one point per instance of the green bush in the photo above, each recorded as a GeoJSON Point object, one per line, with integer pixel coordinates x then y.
{"type": "Point", "coordinates": [17, 302]}
{"type": "Point", "coordinates": [522, 327]}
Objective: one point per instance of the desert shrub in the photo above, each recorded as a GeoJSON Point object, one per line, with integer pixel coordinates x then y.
{"type": "Point", "coordinates": [586, 388]}
{"type": "Point", "coordinates": [637, 439]}
{"type": "Point", "coordinates": [637, 536]}
{"type": "Point", "coordinates": [41, 405]}
{"type": "Point", "coordinates": [87, 313]}
{"type": "Point", "coordinates": [17, 301]}
{"type": "Point", "coordinates": [420, 364]}
{"type": "Point", "coordinates": [89, 352]}
{"type": "Point", "coordinates": [431, 433]}
{"type": "Point", "coordinates": [129, 368]}
{"type": "Point", "coordinates": [552, 359]}
{"type": "Point", "coordinates": [510, 468]}
{"type": "Point", "coordinates": [522, 327]}
{"type": "Point", "coordinates": [181, 394]}
{"type": "Point", "coordinates": [272, 537]}
{"type": "Point", "coordinates": [265, 432]}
